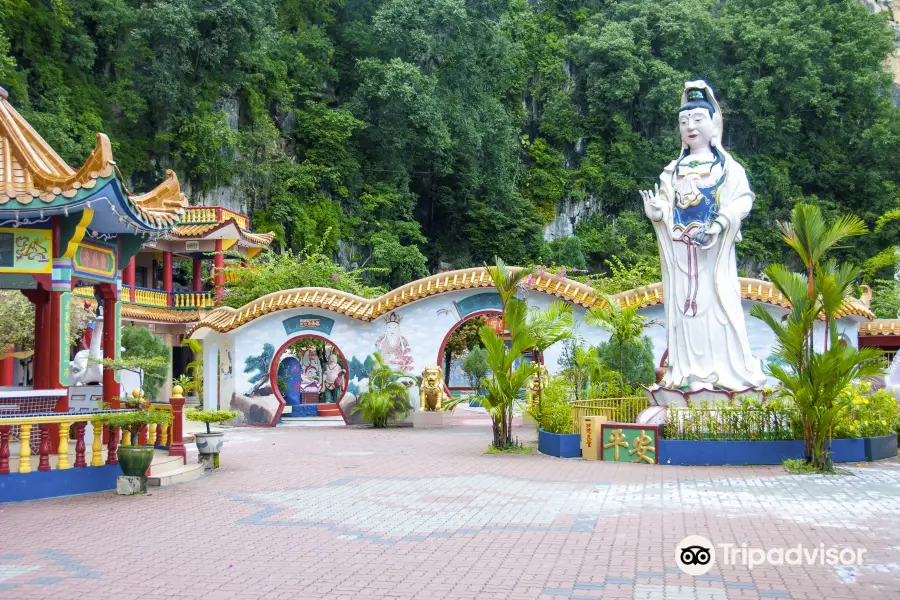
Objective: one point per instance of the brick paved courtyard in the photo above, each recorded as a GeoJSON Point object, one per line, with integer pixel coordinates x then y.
{"type": "Point", "coordinates": [317, 512]}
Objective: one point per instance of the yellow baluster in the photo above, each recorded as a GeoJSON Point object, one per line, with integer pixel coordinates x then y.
{"type": "Point", "coordinates": [24, 449]}
{"type": "Point", "coordinates": [63, 462]}
{"type": "Point", "coordinates": [164, 440]}
{"type": "Point", "coordinates": [151, 436]}
{"type": "Point", "coordinates": [97, 445]}
{"type": "Point", "coordinates": [126, 437]}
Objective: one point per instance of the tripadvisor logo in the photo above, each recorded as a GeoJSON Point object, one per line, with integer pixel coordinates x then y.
{"type": "Point", "coordinates": [696, 555]}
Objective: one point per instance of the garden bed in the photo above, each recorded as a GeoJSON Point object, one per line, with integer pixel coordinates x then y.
{"type": "Point", "coordinates": [721, 452]}
{"type": "Point", "coordinates": [563, 445]}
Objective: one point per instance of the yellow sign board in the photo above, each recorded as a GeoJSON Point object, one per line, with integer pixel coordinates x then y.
{"type": "Point", "coordinates": [26, 250]}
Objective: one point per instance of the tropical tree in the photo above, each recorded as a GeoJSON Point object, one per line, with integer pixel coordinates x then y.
{"type": "Point", "coordinates": [811, 238]}
{"type": "Point", "coordinates": [628, 349]}
{"type": "Point", "coordinates": [815, 381]}
{"type": "Point", "coordinates": [509, 374]}
{"type": "Point", "coordinates": [386, 397]}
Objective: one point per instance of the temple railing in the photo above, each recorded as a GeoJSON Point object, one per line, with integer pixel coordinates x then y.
{"type": "Point", "coordinates": [213, 214]}
{"type": "Point", "coordinates": [158, 298]}
{"type": "Point", "coordinates": [193, 299]}
{"type": "Point", "coordinates": [620, 410]}
{"type": "Point", "coordinates": [149, 297]}
{"type": "Point", "coordinates": [43, 436]}
{"type": "Point", "coordinates": [45, 440]}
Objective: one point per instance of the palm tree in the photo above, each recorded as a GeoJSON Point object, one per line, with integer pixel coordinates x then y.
{"type": "Point", "coordinates": [811, 238]}
{"type": "Point", "coordinates": [506, 280]}
{"type": "Point", "coordinates": [505, 381]}
{"type": "Point", "coordinates": [814, 380]}
{"type": "Point", "coordinates": [624, 324]}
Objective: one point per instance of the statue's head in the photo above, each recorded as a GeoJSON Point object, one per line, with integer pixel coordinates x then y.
{"type": "Point", "coordinates": [432, 376]}
{"type": "Point", "coordinates": [332, 359]}
{"type": "Point", "coordinates": [699, 120]}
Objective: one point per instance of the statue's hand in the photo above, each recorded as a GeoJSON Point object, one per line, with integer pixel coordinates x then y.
{"type": "Point", "coordinates": [653, 204]}
{"type": "Point", "coordinates": [707, 239]}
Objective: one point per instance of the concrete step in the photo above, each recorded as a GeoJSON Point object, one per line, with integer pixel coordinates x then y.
{"type": "Point", "coordinates": [163, 463]}
{"type": "Point", "coordinates": [184, 473]}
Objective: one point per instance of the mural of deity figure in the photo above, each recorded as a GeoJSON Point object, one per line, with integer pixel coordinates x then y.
{"type": "Point", "coordinates": [333, 379]}
{"type": "Point", "coordinates": [393, 347]}
{"type": "Point", "coordinates": [696, 210]}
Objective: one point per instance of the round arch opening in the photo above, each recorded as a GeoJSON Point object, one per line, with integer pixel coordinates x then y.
{"type": "Point", "coordinates": [454, 376]}
{"type": "Point", "coordinates": [310, 374]}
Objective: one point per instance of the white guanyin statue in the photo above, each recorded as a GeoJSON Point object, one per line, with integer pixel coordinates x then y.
{"type": "Point", "coordinates": [696, 209]}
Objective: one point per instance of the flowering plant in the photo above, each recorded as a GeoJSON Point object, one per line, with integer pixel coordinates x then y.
{"type": "Point", "coordinates": [868, 414]}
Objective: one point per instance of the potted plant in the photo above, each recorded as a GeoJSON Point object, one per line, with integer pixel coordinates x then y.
{"type": "Point", "coordinates": [209, 443]}
{"type": "Point", "coordinates": [554, 417]}
{"type": "Point", "coordinates": [135, 458]}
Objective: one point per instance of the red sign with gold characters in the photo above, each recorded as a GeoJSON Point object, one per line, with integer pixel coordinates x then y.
{"type": "Point", "coordinates": [95, 261]}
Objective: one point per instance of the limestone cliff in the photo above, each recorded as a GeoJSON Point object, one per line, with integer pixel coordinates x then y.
{"type": "Point", "coordinates": [892, 7]}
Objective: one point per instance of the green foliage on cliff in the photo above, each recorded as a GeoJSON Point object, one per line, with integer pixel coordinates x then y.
{"type": "Point", "coordinates": [448, 131]}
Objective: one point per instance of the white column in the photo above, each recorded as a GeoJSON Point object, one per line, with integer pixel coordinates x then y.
{"type": "Point", "coordinates": [210, 375]}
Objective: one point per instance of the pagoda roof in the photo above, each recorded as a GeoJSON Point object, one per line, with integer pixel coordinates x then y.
{"type": "Point", "coordinates": [228, 230]}
{"type": "Point", "coordinates": [35, 180]}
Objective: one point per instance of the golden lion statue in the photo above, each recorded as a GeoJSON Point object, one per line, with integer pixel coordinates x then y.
{"type": "Point", "coordinates": [431, 392]}
{"type": "Point", "coordinates": [536, 386]}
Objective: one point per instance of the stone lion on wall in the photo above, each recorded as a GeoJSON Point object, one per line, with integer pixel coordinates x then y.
{"type": "Point", "coordinates": [431, 392]}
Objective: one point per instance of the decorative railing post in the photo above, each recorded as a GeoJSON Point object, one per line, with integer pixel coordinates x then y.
{"type": "Point", "coordinates": [44, 448]}
{"type": "Point", "coordinates": [111, 458]}
{"type": "Point", "coordinates": [79, 444]}
{"type": "Point", "coordinates": [4, 449]}
{"type": "Point", "coordinates": [97, 444]}
{"type": "Point", "coordinates": [25, 448]}
{"type": "Point", "coordinates": [63, 447]}
{"type": "Point", "coordinates": [176, 443]}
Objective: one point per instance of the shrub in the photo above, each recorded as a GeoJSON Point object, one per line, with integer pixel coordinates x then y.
{"type": "Point", "coordinates": [554, 415]}
{"type": "Point", "coordinates": [746, 419]}
{"type": "Point", "coordinates": [210, 416]}
{"type": "Point", "coordinates": [868, 414]}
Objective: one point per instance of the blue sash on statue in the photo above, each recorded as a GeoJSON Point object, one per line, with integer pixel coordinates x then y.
{"type": "Point", "coordinates": [702, 211]}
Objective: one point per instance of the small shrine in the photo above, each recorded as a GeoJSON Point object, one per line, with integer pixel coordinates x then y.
{"type": "Point", "coordinates": [63, 229]}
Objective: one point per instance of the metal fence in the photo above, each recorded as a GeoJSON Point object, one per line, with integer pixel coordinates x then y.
{"type": "Point", "coordinates": [732, 423]}
{"type": "Point", "coordinates": [620, 410]}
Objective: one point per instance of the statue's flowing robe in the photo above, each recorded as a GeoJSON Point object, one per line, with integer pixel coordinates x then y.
{"type": "Point", "coordinates": [712, 344]}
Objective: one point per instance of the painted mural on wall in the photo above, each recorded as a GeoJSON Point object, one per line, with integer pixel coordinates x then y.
{"type": "Point", "coordinates": [257, 404]}
{"type": "Point", "coordinates": [409, 338]}
{"type": "Point", "coordinates": [311, 371]}
{"type": "Point", "coordinates": [394, 348]}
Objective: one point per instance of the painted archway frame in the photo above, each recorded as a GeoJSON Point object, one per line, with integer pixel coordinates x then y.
{"type": "Point", "coordinates": [276, 361]}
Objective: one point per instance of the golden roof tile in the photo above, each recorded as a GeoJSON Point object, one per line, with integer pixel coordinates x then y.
{"type": "Point", "coordinates": [883, 327]}
{"type": "Point", "coordinates": [366, 309]}
{"type": "Point", "coordinates": [31, 170]}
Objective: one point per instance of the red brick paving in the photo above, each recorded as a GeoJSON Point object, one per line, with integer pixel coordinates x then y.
{"type": "Point", "coordinates": [402, 513]}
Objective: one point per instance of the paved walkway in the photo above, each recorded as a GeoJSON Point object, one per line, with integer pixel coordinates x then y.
{"type": "Point", "coordinates": [350, 513]}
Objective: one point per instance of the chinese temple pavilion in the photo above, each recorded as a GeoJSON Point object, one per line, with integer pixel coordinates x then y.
{"type": "Point", "coordinates": [61, 229]}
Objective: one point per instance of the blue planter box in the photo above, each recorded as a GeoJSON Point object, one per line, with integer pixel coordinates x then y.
{"type": "Point", "coordinates": [848, 450]}
{"type": "Point", "coordinates": [563, 445]}
{"type": "Point", "coordinates": [704, 452]}
{"type": "Point", "coordinates": [878, 448]}
{"type": "Point", "coordinates": [17, 487]}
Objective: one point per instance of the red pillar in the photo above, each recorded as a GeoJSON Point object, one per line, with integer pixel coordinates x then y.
{"type": "Point", "coordinates": [176, 435]}
{"type": "Point", "coordinates": [40, 298]}
{"type": "Point", "coordinates": [110, 386]}
{"type": "Point", "coordinates": [198, 275]}
{"type": "Point", "coordinates": [219, 267]}
{"type": "Point", "coordinates": [128, 278]}
{"type": "Point", "coordinates": [8, 370]}
{"type": "Point", "coordinates": [167, 275]}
